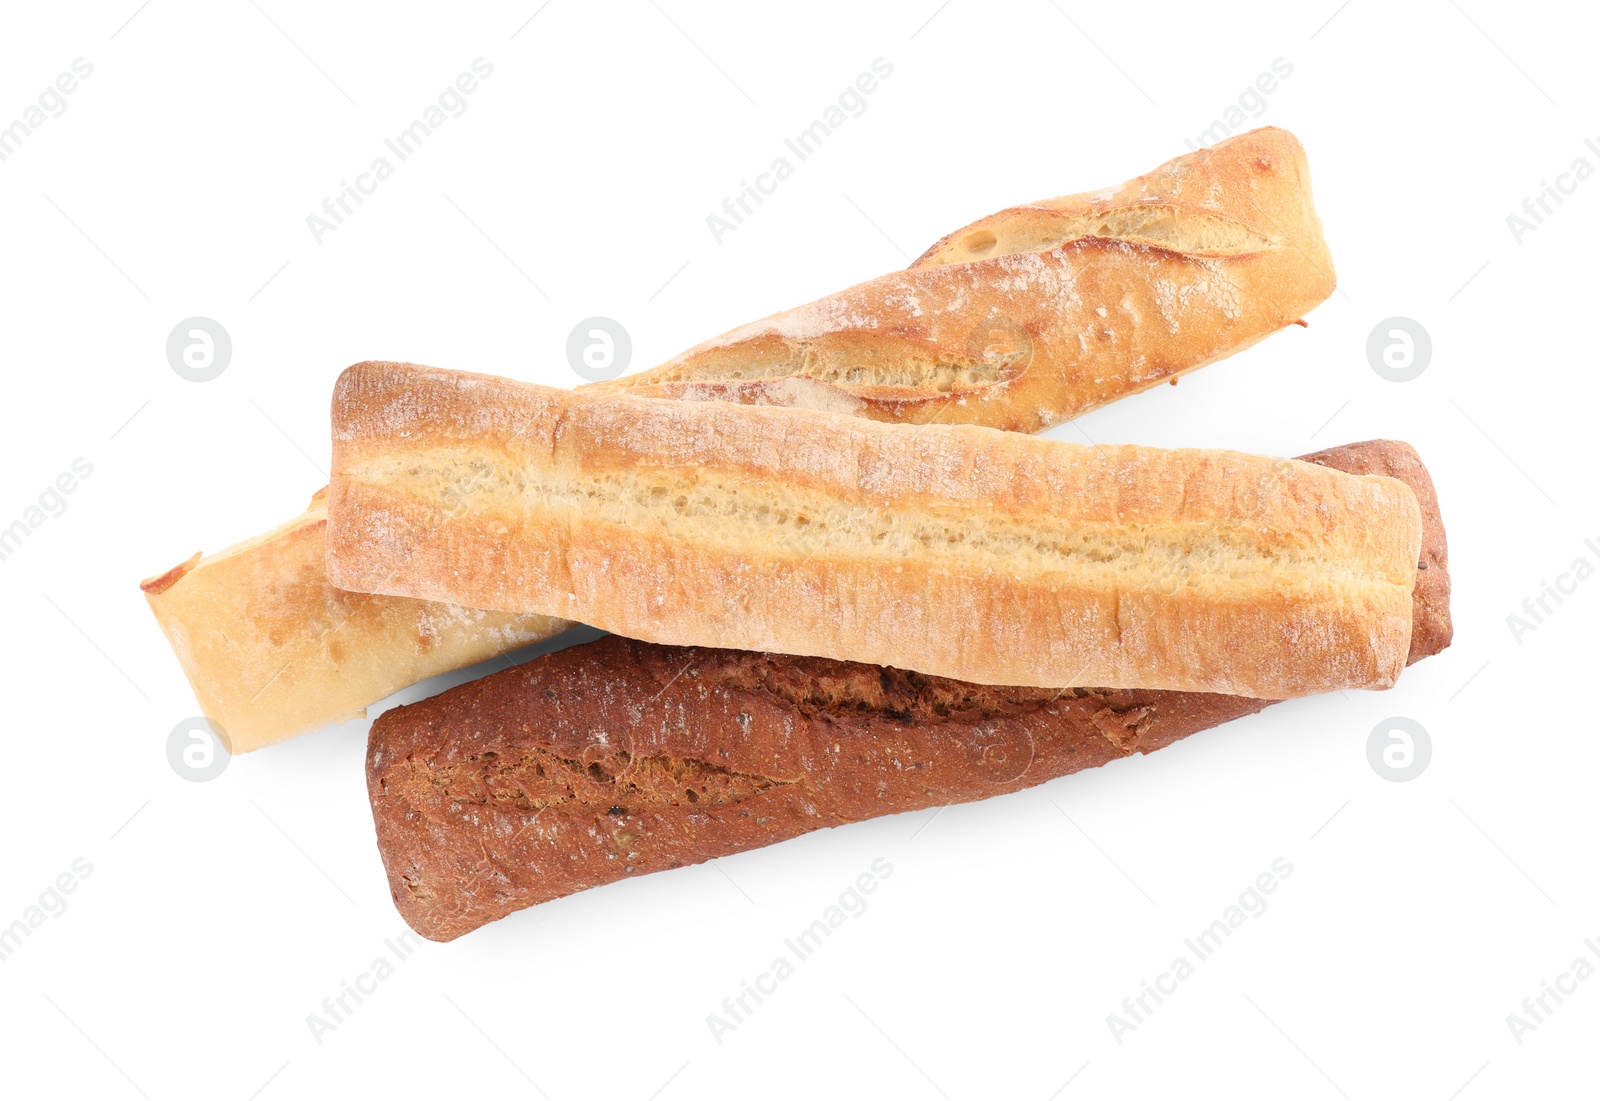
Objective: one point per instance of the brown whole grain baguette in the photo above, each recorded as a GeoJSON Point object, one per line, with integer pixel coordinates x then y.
{"type": "Point", "coordinates": [952, 550]}
{"type": "Point", "coordinates": [1039, 313]}
{"type": "Point", "coordinates": [618, 758]}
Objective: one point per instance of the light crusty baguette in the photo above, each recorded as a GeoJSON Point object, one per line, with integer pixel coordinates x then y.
{"type": "Point", "coordinates": [1041, 312]}
{"type": "Point", "coordinates": [959, 551]}
{"type": "Point", "coordinates": [273, 650]}
{"type": "Point", "coordinates": [1006, 352]}
{"type": "Point", "coordinates": [618, 758]}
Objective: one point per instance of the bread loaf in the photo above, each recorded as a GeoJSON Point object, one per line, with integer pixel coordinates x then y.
{"type": "Point", "coordinates": [273, 650]}
{"type": "Point", "coordinates": [618, 758]}
{"type": "Point", "coordinates": [1041, 312]}
{"type": "Point", "coordinates": [1165, 276]}
{"type": "Point", "coordinates": [957, 551]}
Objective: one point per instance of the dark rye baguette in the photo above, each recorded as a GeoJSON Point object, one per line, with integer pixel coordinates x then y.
{"type": "Point", "coordinates": [619, 757]}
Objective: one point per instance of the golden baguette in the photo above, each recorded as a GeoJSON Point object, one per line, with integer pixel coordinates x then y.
{"type": "Point", "coordinates": [1042, 312]}
{"type": "Point", "coordinates": [958, 551]}
{"type": "Point", "coordinates": [273, 650]}
{"type": "Point", "coordinates": [1006, 356]}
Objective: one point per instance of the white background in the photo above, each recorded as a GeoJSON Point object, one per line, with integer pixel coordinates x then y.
{"type": "Point", "coordinates": [219, 915]}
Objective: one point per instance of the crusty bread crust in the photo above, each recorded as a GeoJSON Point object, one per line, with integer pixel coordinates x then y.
{"type": "Point", "coordinates": [273, 650]}
{"type": "Point", "coordinates": [1042, 312]}
{"type": "Point", "coordinates": [610, 760]}
{"type": "Point", "coordinates": [1430, 596]}
{"type": "Point", "coordinates": [958, 551]}
{"type": "Point", "coordinates": [975, 332]}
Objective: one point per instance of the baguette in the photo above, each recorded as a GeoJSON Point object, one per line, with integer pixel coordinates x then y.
{"type": "Point", "coordinates": [273, 650]}
{"type": "Point", "coordinates": [1006, 353]}
{"type": "Point", "coordinates": [956, 551]}
{"type": "Point", "coordinates": [1042, 312]}
{"type": "Point", "coordinates": [618, 758]}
